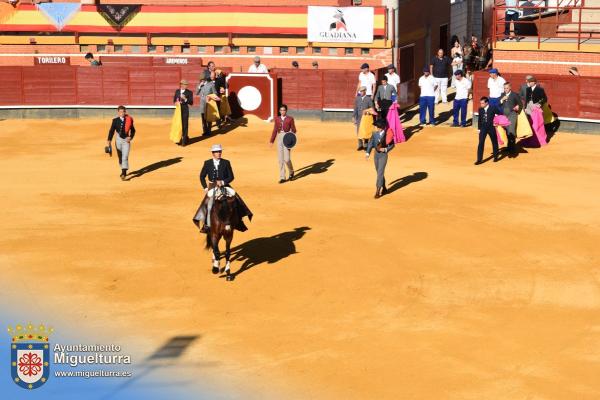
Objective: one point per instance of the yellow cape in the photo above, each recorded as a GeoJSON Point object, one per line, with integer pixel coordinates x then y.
{"type": "Point", "coordinates": [548, 116]}
{"type": "Point", "coordinates": [502, 133]}
{"type": "Point", "coordinates": [523, 125]}
{"type": "Point", "coordinates": [212, 111]}
{"type": "Point", "coordinates": [365, 129]}
{"type": "Point", "coordinates": [224, 108]}
{"type": "Point", "coordinates": [176, 128]}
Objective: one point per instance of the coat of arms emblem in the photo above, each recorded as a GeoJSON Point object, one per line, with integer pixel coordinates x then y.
{"type": "Point", "coordinates": [30, 355]}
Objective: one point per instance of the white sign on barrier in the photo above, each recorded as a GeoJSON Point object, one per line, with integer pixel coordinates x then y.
{"type": "Point", "coordinates": [340, 24]}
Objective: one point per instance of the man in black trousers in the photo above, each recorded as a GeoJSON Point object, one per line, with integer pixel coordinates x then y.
{"type": "Point", "coordinates": [485, 125]}
{"type": "Point", "coordinates": [185, 98]}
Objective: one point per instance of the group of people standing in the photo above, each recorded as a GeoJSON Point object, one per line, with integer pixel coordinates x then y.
{"type": "Point", "coordinates": [213, 104]}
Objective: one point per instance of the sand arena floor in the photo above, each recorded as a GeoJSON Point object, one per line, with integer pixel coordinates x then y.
{"type": "Point", "coordinates": [464, 283]}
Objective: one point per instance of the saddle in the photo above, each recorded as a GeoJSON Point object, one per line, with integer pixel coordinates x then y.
{"type": "Point", "coordinates": [220, 192]}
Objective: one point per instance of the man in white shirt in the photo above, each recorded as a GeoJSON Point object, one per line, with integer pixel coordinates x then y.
{"type": "Point", "coordinates": [257, 67]}
{"type": "Point", "coordinates": [366, 79]}
{"type": "Point", "coordinates": [428, 87]}
{"type": "Point", "coordinates": [461, 99]}
{"type": "Point", "coordinates": [511, 14]}
{"type": "Point", "coordinates": [393, 78]}
{"type": "Point", "coordinates": [496, 87]}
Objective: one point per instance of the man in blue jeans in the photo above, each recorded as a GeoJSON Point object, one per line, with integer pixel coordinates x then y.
{"type": "Point", "coordinates": [461, 99]}
{"type": "Point", "coordinates": [428, 86]}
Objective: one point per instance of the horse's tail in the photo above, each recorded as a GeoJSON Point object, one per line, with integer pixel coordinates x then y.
{"type": "Point", "coordinates": [208, 244]}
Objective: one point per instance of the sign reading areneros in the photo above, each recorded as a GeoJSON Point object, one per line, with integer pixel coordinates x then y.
{"type": "Point", "coordinates": [51, 60]}
{"type": "Point", "coordinates": [340, 24]}
{"type": "Point", "coordinates": [182, 61]}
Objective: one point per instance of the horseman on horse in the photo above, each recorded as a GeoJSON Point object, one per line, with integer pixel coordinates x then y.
{"type": "Point", "coordinates": [222, 209]}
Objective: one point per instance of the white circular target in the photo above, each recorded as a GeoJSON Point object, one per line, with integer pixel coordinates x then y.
{"type": "Point", "coordinates": [249, 97]}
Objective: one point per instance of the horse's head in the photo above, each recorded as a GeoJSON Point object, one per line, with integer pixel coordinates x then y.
{"type": "Point", "coordinates": [226, 209]}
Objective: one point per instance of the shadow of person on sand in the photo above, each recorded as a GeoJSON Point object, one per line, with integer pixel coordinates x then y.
{"type": "Point", "coordinates": [316, 168]}
{"type": "Point", "coordinates": [153, 167]}
{"type": "Point", "coordinates": [407, 180]}
{"type": "Point", "coordinates": [266, 249]}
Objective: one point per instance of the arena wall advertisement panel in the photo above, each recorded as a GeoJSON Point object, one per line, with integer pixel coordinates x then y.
{"type": "Point", "coordinates": [340, 24]}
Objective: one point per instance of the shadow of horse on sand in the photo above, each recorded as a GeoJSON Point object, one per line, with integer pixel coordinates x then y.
{"type": "Point", "coordinates": [267, 250]}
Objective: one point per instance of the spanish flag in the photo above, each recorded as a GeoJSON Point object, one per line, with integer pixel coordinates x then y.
{"type": "Point", "coordinates": [176, 126]}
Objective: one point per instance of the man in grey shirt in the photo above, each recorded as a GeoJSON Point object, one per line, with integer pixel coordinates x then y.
{"type": "Point", "coordinates": [384, 96]}
{"type": "Point", "coordinates": [511, 106]}
{"type": "Point", "coordinates": [361, 103]}
{"type": "Point", "coordinates": [205, 91]}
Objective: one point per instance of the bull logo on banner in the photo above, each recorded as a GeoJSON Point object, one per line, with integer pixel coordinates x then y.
{"type": "Point", "coordinates": [30, 355]}
{"type": "Point", "coordinates": [340, 23]}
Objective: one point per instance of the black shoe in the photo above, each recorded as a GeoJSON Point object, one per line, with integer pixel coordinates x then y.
{"type": "Point", "coordinates": [205, 229]}
{"type": "Point", "coordinates": [496, 159]}
{"type": "Point", "coordinates": [360, 148]}
{"type": "Point", "coordinates": [384, 191]}
{"type": "Point", "coordinates": [478, 162]}
{"type": "Point", "coordinates": [291, 176]}
{"type": "Point", "coordinates": [123, 177]}
{"type": "Point", "coordinates": [455, 125]}
{"type": "Point", "coordinates": [282, 181]}
{"type": "Point", "coordinates": [215, 270]}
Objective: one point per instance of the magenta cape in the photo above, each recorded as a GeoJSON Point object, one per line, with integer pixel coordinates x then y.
{"type": "Point", "coordinates": [393, 120]}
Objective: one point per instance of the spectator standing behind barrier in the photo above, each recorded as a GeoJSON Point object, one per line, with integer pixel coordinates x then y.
{"type": "Point", "coordinates": [428, 86]}
{"type": "Point", "coordinates": [496, 89]}
{"type": "Point", "coordinates": [511, 15]}
{"type": "Point", "coordinates": [185, 98]}
{"type": "Point", "coordinates": [366, 79]}
{"type": "Point", "coordinates": [257, 67]}
{"type": "Point", "coordinates": [90, 58]}
{"type": "Point", "coordinates": [440, 64]}
{"type": "Point", "coordinates": [384, 97]}
{"type": "Point", "coordinates": [392, 77]}
{"type": "Point", "coordinates": [315, 65]}
{"type": "Point", "coordinates": [210, 67]}
{"type": "Point", "coordinates": [461, 99]}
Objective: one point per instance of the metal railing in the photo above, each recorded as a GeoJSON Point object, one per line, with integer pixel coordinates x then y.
{"type": "Point", "coordinates": [545, 16]}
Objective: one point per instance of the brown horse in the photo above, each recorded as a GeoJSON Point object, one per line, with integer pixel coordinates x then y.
{"type": "Point", "coordinates": [224, 218]}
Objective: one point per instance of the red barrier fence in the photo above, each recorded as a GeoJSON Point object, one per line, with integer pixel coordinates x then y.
{"type": "Point", "coordinates": [569, 96]}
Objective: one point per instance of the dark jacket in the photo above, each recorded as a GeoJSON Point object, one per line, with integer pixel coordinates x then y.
{"type": "Point", "coordinates": [224, 173]}
{"type": "Point", "coordinates": [119, 127]}
{"type": "Point", "coordinates": [509, 104]}
{"type": "Point", "coordinates": [188, 94]}
{"type": "Point", "coordinates": [537, 95]}
{"type": "Point", "coordinates": [485, 122]}
{"type": "Point", "coordinates": [220, 82]}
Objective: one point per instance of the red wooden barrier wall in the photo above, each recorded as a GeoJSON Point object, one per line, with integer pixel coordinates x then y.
{"type": "Point", "coordinates": [135, 81]}
{"type": "Point", "coordinates": [568, 96]}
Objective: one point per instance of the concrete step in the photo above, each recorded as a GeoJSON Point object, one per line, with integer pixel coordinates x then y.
{"type": "Point", "coordinates": [574, 28]}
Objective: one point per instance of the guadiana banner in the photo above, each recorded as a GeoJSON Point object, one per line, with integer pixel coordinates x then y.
{"type": "Point", "coordinates": [340, 24]}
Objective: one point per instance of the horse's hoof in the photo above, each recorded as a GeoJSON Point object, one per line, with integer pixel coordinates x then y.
{"type": "Point", "coordinates": [215, 270]}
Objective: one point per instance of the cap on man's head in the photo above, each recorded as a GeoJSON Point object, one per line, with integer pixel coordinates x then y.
{"type": "Point", "coordinates": [216, 148]}
{"type": "Point", "coordinates": [256, 59]}
{"type": "Point", "coordinates": [458, 72]}
{"type": "Point", "coordinates": [528, 77]}
{"type": "Point", "coordinates": [315, 63]}
{"type": "Point", "coordinates": [295, 64]}
{"type": "Point", "coordinates": [493, 71]}
{"type": "Point", "coordinates": [531, 79]}
{"type": "Point", "coordinates": [362, 89]}
{"type": "Point", "coordinates": [425, 69]}
{"type": "Point", "coordinates": [183, 82]}
{"type": "Point", "coordinates": [365, 65]}
{"type": "Point", "coordinates": [391, 66]}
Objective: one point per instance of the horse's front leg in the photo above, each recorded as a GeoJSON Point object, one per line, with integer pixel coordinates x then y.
{"type": "Point", "coordinates": [216, 254]}
{"type": "Point", "coordinates": [228, 239]}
